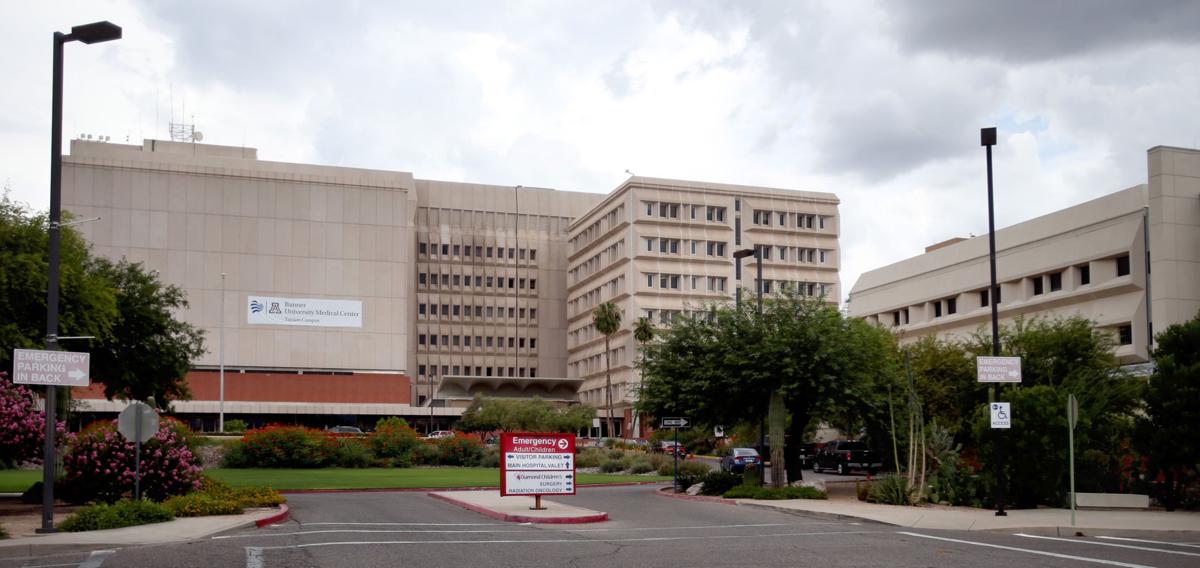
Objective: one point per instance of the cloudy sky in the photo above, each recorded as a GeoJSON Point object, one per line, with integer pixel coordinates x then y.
{"type": "Point", "coordinates": [878, 102]}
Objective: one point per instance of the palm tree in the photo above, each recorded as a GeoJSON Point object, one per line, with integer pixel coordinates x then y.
{"type": "Point", "coordinates": [643, 332]}
{"type": "Point", "coordinates": [607, 319]}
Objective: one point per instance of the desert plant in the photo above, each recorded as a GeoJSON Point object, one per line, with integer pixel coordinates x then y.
{"type": "Point", "coordinates": [352, 453]}
{"type": "Point", "coordinates": [426, 453]}
{"type": "Point", "coordinates": [611, 466]}
{"type": "Point", "coordinates": [639, 467]}
{"type": "Point", "coordinates": [460, 449]}
{"type": "Point", "coordinates": [201, 505]}
{"type": "Point", "coordinates": [235, 426]}
{"type": "Point", "coordinates": [117, 515]}
{"type": "Point", "coordinates": [393, 438]}
{"type": "Point", "coordinates": [718, 482]}
{"type": "Point", "coordinates": [891, 490]}
{"type": "Point", "coordinates": [591, 457]}
{"type": "Point", "coordinates": [286, 447]}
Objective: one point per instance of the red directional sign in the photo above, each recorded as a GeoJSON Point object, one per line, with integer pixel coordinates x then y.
{"type": "Point", "coordinates": [537, 464]}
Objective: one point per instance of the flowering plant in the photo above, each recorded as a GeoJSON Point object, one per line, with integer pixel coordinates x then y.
{"type": "Point", "coordinates": [22, 425]}
{"type": "Point", "coordinates": [284, 446]}
{"type": "Point", "coordinates": [99, 464]}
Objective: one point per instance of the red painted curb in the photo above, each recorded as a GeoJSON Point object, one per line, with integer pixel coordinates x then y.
{"type": "Point", "coordinates": [704, 498]}
{"type": "Point", "coordinates": [521, 518]}
{"type": "Point", "coordinates": [281, 516]}
{"type": "Point", "coordinates": [429, 489]}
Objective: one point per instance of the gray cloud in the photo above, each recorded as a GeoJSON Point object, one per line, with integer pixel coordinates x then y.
{"type": "Point", "coordinates": [1039, 30]}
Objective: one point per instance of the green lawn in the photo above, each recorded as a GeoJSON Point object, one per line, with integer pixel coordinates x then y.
{"type": "Point", "coordinates": [18, 480]}
{"type": "Point", "coordinates": [386, 478]}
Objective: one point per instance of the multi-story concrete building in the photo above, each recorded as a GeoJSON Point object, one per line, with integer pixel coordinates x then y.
{"type": "Point", "coordinates": [336, 294]}
{"type": "Point", "coordinates": [658, 248]}
{"type": "Point", "coordinates": [1129, 261]}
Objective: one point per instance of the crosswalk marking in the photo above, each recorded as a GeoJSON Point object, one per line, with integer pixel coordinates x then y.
{"type": "Point", "coordinates": [1092, 542]}
{"type": "Point", "coordinates": [1028, 550]}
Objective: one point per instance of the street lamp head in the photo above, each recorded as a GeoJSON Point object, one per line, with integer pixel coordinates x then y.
{"type": "Point", "coordinates": [743, 253]}
{"type": "Point", "coordinates": [96, 32]}
{"type": "Point", "coordinates": [987, 136]}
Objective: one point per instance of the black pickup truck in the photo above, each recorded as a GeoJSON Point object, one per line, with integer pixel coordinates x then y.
{"type": "Point", "coordinates": [843, 456]}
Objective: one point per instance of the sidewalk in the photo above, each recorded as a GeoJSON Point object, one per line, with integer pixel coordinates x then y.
{"type": "Point", "coordinates": [190, 528]}
{"type": "Point", "coordinates": [966, 518]}
{"type": "Point", "coordinates": [517, 509]}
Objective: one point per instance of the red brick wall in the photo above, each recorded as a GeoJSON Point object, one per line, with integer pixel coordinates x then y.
{"type": "Point", "coordinates": [284, 387]}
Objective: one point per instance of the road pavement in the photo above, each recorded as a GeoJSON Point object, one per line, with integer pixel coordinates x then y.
{"type": "Point", "coordinates": [645, 529]}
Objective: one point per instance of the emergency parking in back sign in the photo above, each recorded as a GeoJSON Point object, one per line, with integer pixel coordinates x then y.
{"type": "Point", "coordinates": [537, 464]}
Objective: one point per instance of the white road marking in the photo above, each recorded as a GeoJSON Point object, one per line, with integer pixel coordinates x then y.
{"type": "Point", "coordinates": [573, 541]}
{"type": "Point", "coordinates": [1187, 544]}
{"type": "Point", "coordinates": [1130, 546]}
{"type": "Point", "coordinates": [254, 557]}
{"type": "Point", "coordinates": [408, 524]}
{"type": "Point", "coordinates": [398, 531]}
{"type": "Point", "coordinates": [359, 531]}
{"type": "Point", "coordinates": [48, 565]}
{"type": "Point", "coordinates": [96, 558]}
{"type": "Point", "coordinates": [1028, 550]}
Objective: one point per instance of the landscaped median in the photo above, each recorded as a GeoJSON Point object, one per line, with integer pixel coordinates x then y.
{"type": "Point", "coordinates": [393, 478]}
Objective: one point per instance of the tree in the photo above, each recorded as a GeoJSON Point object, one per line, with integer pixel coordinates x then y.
{"type": "Point", "coordinates": [607, 319]}
{"type": "Point", "coordinates": [148, 352]}
{"type": "Point", "coordinates": [515, 415]}
{"type": "Point", "coordinates": [1167, 432]}
{"type": "Point", "coordinates": [722, 369]}
{"type": "Point", "coordinates": [87, 302]}
{"type": "Point", "coordinates": [643, 330]}
{"type": "Point", "coordinates": [22, 425]}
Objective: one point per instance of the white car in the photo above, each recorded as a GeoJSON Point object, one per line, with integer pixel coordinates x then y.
{"type": "Point", "coordinates": [439, 434]}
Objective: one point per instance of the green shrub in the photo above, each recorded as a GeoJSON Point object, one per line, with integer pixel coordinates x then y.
{"type": "Point", "coordinates": [862, 489]}
{"type": "Point", "coordinates": [461, 449]}
{"type": "Point", "coordinates": [890, 490]}
{"type": "Point", "coordinates": [202, 505]}
{"type": "Point", "coordinates": [235, 426]}
{"type": "Point", "coordinates": [657, 460]}
{"type": "Point", "coordinates": [258, 496]}
{"type": "Point", "coordinates": [352, 453]}
{"type": "Point", "coordinates": [774, 493]}
{"type": "Point", "coordinates": [234, 456]}
{"type": "Point", "coordinates": [98, 464]}
{"type": "Point", "coordinates": [491, 458]}
{"type": "Point", "coordinates": [591, 457]}
{"type": "Point", "coordinates": [718, 482]}
{"type": "Point", "coordinates": [393, 438]}
{"type": "Point", "coordinates": [403, 461]}
{"type": "Point", "coordinates": [611, 466]}
{"type": "Point", "coordinates": [640, 466]}
{"type": "Point", "coordinates": [117, 515]}
{"type": "Point", "coordinates": [284, 447]}
{"type": "Point", "coordinates": [616, 454]}
{"type": "Point", "coordinates": [3, 533]}
{"type": "Point", "coordinates": [751, 476]}
{"type": "Point", "coordinates": [427, 453]}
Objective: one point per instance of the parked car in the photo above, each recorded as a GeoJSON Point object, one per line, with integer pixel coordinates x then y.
{"type": "Point", "coordinates": [668, 447]}
{"type": "Point", "coordinates": [739, 458]}
{"type": "Point", "coordinates": [439, 434]}
{"type": "Point", "coordinates": [844, 456]}
{"type": "Point", "coordinates": [344, 430]}
{"type": "Point", "coordinates": [808, 452]}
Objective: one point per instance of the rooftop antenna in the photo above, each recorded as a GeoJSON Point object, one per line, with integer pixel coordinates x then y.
{"type": "Point", "coordinates": [631, 174]}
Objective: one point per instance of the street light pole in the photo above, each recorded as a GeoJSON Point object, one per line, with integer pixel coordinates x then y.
{"type": "Point", "coordinates": [772, 403]}
{"type": "Point", "coordinates": [89, 33]}
{"type": "Point", "coordinates": [987, 138]}
{"type": "Point", "coordinates": [221, 351]}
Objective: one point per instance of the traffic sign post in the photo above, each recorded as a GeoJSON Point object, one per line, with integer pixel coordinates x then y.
{"type": "Point", "coordinates": [537, 464]}
{"type": "Point", "coordinates": [138, 422]}
{"type": "Point", "coordinates": [996, 369]}
{"type": "Point", "coordinates": [1001, 415]}
{"type": "Point", "coordinates": [1072, 419]}
{"type": "Point", "coordinates": [675, 424]}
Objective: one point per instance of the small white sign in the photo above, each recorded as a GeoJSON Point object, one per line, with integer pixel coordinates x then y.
{"type": "Point", "coordinates": [303, 311]}
{"type": "Point", "coordinates": [539, 482]}
{"type": "Point", "coordinates": [539, 462]}
{"type": "Point", "coordinates": [1001, 415]}
{"type": "Point", "coordinates": [44, 367]}
{"type": "Point", "coordinates": [998, 369]}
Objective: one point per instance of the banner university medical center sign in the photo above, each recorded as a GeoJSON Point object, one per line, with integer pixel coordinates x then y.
{"type": "Point", "coordinates": [303, 311]}
{"type": "Point", "coordinates": [537, 464]}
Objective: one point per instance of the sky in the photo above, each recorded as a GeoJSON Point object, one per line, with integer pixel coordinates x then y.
{"type": "Point", "coordinates": [879, 103]}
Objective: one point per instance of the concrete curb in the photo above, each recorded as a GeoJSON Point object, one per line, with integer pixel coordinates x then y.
{"type": "Point", "coordinates": [521, 518]}
{"type": "Point", "coordinates": [279, 517]}
{"type": "Point", "coordinates": [666, 492]}
{"type": "Point", "coordinates": [433, 489]}
{"type": "Point", "coordinates": [815, 514]}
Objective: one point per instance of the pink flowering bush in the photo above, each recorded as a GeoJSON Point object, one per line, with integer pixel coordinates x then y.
{"type": "Point", "coordinates": [22, 425]}
{"type": "Point", "coordinates": [98, 464]}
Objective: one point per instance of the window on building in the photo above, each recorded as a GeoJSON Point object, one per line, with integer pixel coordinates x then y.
{"type": "Point", "coordinates": [532, 254]}
{"type": "Point", "coordinates": [821, 224]}
{"type": "Point", "coordinates": [467, 250]}
{"type": "Point", "coordinates": [896, 319]}
{"type": "Point", "coordinates": [421, 278]}
{"type": "Point", "coordinates": [433, 340]}
{"type": "Point", "coordinates": [782, 219]}
{"type": "Point", "coordinates": [1123, 265]}
{"type": "Point", "coordinates": [456, 312]}
{"type": "Point", "coordinates": [983, 295]}
{"type": "Point", "coordinates": [1037, 285]}
{"type": "Point", "coordinates": [937, 309]}
{"type": "Point", "coordinates": [456, 280]}
{"type": "Point", "coordinates": [951, 305]}
{"type": "Point", "coordinates": [521, 254]}
{"type": "Point", "coordinates": [693, 212]}
{"type": "Point", "coordinates": [421, 339]}
{"type": "Point", "coordinates": [823, 257]}
{"type": "Point", "coordinates": [533, 283]}
{"type": "Point", "coordinates": [445, 250]}
{"type": "Point", "coordinates": [1085, 274]}
{"type": "Point", "coordinates": [904, 316]}
{"type": "Point", "coordinates": [421, 309]}
{"type": "Point", "coordinates": [423, 248]}
{"type": "Point", "coordinates": [737, 204]}
{"type": "Point", "coordinates": [454, 338]}
{"type": "Point", "coordinates": [1125, 334]}
{"type": "Point", "coordinates": [445, 280]}
{"type": "Point", "coordinates": [649, 280]}
{"type": "Point", "coordinates": [1056, 282]}
{"type": "Point", "coordinates": [649, 208]}
{"type": "Point", "coordinates": [457, 251]}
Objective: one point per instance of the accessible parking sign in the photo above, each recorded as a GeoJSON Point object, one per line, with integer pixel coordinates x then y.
{"type": "Point", "coordinates": [537, 464]}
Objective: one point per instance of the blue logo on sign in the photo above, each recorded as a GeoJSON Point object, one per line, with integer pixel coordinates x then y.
{"type": "Point", "coordinates": [255, 306]}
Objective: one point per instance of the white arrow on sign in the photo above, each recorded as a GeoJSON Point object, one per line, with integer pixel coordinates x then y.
{"type": "Point", "coordinates": [76, 375]}
{"type": "Point", "coordinates": [674, 422]}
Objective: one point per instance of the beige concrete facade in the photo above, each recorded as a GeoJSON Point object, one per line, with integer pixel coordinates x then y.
{"type": "Point", "coordinates": [659, 248]}
{"type": "Point", "coordinates": [1090, 259]}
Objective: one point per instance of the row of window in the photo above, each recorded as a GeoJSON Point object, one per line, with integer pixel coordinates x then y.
{"type": "Point", "coordinates": [666, 210]}
{"type": "Point", "coordinates": [694, 247]}
{"type": "Point", "coordinates": [468, 311]}
{"type": "Point", "coordinates": [481, 281]}
{"type": "Point", "coordinates": [599, 227]}
{"type": "Point", "coordinates": [803, 288]}
{"type": "Point", "coordinates": [497, 342]}
{"type": "Point", "coordinates": [797, 254]}
{"type": "Point", "coordinates": [675, 281]}
{"type": "Point", "coordinates": [591, 298]}
{"type": "Point", "coordinates": [595, 363]}
{"type": "Point", "coordinates": [597, 261]}
{"type": "Point", "coordinates": [480, 251]}
{"type": "Point", "coordinates": [480, 371]}
{"type": "Point", "coordinates": [768, 218]}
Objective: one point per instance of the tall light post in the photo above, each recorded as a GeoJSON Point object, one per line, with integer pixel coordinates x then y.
{"type": "Point", "coordinates": [88, 33]}
{"type": "Point", "coordinates": [221, 363]}
{"type": "Point", "coordinates": [771, 406]}
{"type": "Point", "coordinates": [987, 139]}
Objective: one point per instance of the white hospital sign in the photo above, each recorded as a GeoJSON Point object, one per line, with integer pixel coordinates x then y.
{"type": "Point", "coordinates": [303, 311]}
{"type": "Point", "coordinates": [998, 369]}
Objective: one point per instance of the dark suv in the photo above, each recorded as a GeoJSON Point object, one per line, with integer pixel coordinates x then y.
{"type": "Point", "coordinates": [843, 456]}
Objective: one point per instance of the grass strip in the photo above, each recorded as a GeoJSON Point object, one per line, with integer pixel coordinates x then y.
{"type": "Point", "coordinates": [391, 478]}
